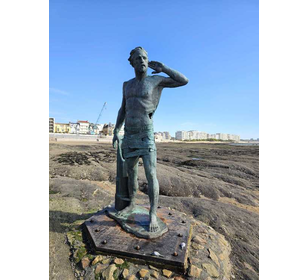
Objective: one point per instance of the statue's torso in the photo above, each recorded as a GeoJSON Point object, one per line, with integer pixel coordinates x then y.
{"type": "Point", "coordinates": [141, 101]}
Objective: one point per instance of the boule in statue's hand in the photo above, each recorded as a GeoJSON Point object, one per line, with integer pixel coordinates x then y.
{"type": "Point", "coordinates": [115, 140]}
{"type": "Point", "coordinates": [157, 66]}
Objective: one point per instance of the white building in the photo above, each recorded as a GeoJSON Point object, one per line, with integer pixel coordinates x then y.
{"type": "Point", "coordinates": [202, 135]}
{"type": "Point", "coordinates": [74, 128]}
{"type": "Point", "coordinates": [98, 129]}
{"type": "Point", "coordinates": [158, 137]}
{"type": "Point", "coordinates": [233, 137]}
{"type": "Point", "coordinates": [221, 136]}
{"type": "Point", "coordinates": [83, 127]}
{"type": "Point", "coordinates": [181, 135]}
{"type": "Point", "coordinates": [192, 134]}
{"type": "Point", "coordinates": [212, 136]}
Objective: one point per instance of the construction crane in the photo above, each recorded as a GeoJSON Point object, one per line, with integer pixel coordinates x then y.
{"type": "Point", "coordinates": [99, 116]}
{"type": "Point", "coordinates": [92, 126]}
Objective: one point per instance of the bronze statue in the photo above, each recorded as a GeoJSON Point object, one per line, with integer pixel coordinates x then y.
{"type": "Point", "coordinates": [141, 96]}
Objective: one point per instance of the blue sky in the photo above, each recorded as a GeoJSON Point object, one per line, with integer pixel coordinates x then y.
{"type": "Point", "coordinates": [215, 43]}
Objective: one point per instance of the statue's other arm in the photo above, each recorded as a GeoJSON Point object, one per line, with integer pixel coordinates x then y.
{"type": "Point", "coordinates": [120, 120]}
{"type": "Point", "coordinates": [176, 79]}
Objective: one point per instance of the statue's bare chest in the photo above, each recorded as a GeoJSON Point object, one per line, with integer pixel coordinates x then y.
{"type": "Point", "coordinates": [139, 89]}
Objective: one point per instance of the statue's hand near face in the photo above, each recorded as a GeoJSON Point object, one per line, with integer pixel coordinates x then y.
{"type": "Point", "coordinates": [157, 66]}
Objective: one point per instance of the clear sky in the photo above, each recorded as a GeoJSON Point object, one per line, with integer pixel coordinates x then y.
{"type": "Point", "coordinates": [214, 43]}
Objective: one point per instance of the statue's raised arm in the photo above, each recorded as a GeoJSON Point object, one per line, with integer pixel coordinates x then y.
{"type": "Point", "coordinates": [176, 79]}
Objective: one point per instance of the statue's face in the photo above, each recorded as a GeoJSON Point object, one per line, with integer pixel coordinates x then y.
{"type": "Point", "coordinates": [140, 61]}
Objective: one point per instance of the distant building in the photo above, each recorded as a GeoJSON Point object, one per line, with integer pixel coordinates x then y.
{"type": "Point", "coordinates": [195, 135]}
{"type": "Point", "coordinates": [62, 128]}
{"type": "Point", "coordinates": [181, 135]}
{"type": "Point", "coordinates": [83, 127]}
{"type": "Point", "coordinates": [74, 128]}
{"type": "Point", "coordinates": [221, 136]}
{"type": "Point", "coordinates": [98, 129]}
{"type": "Point", "coordinates": [108, 129]}
{"type": "Point", "coordinates": [192, 134]}
{"type": "Point", "coordinates": [233, 137]}
{"type": "Point", "coordinates": [202, 135]}
{"type": "Point", "coordinates": [158, 137]}
{"type": "Point", "coordinates": [212, 136]}
{"type": "Point", "coordinates": [51, 125]}
{"type": "Point", "coordinates": [167, 135]}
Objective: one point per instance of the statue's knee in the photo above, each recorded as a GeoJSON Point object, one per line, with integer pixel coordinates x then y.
{"type": "Point", "coordinates": [151, 175]}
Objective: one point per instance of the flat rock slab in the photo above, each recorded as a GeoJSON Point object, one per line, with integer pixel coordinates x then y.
{"type": "Point", "coordinates": [107, 236]}
{"type": "Point", "coordinates": [138, 223]}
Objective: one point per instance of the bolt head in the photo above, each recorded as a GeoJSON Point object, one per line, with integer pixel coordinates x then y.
{"type": "Point", "coordinates": [180, 235]}
{"type": "Point", "coordinates": [137, 247]}
{"type": "Point", "coordinates": [175, 254]}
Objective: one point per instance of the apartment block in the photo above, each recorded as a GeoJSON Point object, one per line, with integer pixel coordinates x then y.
{"type": "Point", "coordinates": [221, 136]}
{"type": "Point", "coordinates": [181, 135]}
{"type": "Point", "coordinates": [212, 136]}
{"type": "Point", "coordinates": [202, 135]}
{"type": "Point", "coordinates": [167, 135]}
{"type": "Point", "coordinates": [51, 125]}
{"type": "Point", "coordinates": [83, 127]}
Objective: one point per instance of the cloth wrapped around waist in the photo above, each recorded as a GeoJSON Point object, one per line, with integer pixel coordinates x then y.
{"type": "Point", "coordinates": [138, 141]}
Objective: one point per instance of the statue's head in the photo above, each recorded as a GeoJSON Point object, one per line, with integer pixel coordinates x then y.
{"type": "Point", "coordinates": [139, 59]}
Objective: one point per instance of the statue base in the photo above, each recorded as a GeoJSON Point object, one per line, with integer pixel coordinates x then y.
{"type": "Point", "coordinates": [106, 236]}
{"type": "Point", "coordinates": [138, 223]}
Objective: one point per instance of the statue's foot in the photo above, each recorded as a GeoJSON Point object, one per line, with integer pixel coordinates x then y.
{"type": "Point", "coordinates": [153, 227]}
{"type": "Point", "coordinates": [129, 209]}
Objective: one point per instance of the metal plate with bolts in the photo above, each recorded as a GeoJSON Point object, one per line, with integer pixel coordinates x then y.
{"type": "Point", "coordinates": [107, 237]}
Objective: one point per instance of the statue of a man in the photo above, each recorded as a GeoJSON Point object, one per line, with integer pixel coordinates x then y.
{"type": "Point", "coordinates": [141, 96]}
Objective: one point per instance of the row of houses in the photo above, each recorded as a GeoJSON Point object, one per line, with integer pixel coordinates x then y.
{"type": "Point", "coordinates": [85, 127]}
{"type": "Point", "coordinates": [81, 127]}
{"type": "Point", "coordinates": [199, 135]}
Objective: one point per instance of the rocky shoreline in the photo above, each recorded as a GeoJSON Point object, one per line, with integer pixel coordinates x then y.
{"type": "Point", "coordinates": [220, 190]}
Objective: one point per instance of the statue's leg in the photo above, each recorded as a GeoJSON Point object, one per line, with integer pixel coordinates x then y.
{"type": "Point", "coordinates": [149, 162]}
{"type": "Point", "coordinates": [132, 172]}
